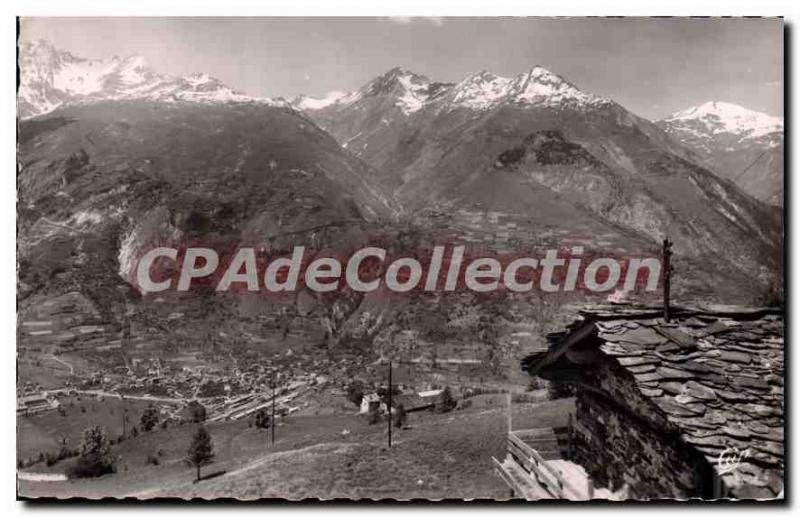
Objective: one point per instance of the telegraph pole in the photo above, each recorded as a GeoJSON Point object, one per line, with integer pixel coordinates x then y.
{"type": "Point", "coordinates": [273, 423]}
{"type": "Point", "coordinates": [666, 256]}
{"type": "Point", "coordinates": [389, 409]}
{"type": "Point", "coordinates": [124, 418]}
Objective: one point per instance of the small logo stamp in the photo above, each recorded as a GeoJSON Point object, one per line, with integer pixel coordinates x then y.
{"type": "Point", "coordinates": [730, 459]}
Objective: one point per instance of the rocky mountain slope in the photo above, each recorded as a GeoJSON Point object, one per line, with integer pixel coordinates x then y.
{"type": "Point", "coordinates": [738, 144]}
{"type": "Point", "coordinates": [49, 77]}
{"type": "Point", "coordinates": [534, 155]}
{"type": "Point", "coordinates": [101, 183]}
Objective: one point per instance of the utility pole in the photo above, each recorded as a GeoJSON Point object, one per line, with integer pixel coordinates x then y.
{"type": "Point", "coordinates": [389, 408]}
{"type": "Point", "coordinates": [508, 395]}
{"type": "Point", "coordinates": [273, 423]}
{"type": "Point", "coordinates": [666, 267]}
{"type": "Point", "coordinates": [124, 418]}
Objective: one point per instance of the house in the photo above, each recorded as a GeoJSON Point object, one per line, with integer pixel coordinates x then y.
{"type": "Point", "coordinates": [370, 402]}
{"type": "Point", "coordinates": [37, 403]}
{"type": "Point", "coordinates": [689, 408]}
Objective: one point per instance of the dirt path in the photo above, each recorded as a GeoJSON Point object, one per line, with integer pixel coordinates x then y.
{"type": "Point", "coordinates": [329, 447]}
{"type": "Point", "coordinates": [40, 476]}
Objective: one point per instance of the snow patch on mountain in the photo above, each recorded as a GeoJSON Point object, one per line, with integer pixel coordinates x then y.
{"type": "Point", "coordinates": [541, 86]}
{"type": "Point", "coordinates": [415, 94]}
{"type": "Point", "coordinates": [304, 102]}
{"type": "Point", "coordinates": [538, 86]}
{"type": "Point", "coordinates": [715, 117]}
{"type": "Point", "coordinates": [481, 91]}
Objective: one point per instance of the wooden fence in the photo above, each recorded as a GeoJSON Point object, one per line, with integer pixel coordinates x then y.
{"type": "Point", "coordinates": [531, 476]}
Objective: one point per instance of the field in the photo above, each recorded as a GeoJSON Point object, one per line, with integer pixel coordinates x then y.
{"type": "Point", "coordinates": [43, 432]}
{"type": "Point", "coordinates": [327, 456]}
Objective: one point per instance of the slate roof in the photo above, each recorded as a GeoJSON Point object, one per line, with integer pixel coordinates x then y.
{"type": "Point", "coordinates": [716, 373]}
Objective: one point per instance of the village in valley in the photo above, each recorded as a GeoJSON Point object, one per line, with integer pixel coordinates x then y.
{"type": "Point", "coordinates": [711, 375]}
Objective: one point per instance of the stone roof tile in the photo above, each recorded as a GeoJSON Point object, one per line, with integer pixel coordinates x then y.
{"type": "Point", "coordinates": [716, 374]}
{"type": "Point", "coordinates": [719, 381]}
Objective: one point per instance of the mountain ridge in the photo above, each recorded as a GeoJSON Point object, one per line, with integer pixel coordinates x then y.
{"type": "Point", "coordinates": [739, 144]}
{"type": "Point", "coordinates": [642, 183]}
{"type": "Point", "coordinates": [479, 91]}
{"type": "Point", "coordinates": [50, 78]}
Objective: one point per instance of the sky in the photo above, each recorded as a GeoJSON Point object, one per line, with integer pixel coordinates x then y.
{"type": "Point", "coordinates": [652, 66]}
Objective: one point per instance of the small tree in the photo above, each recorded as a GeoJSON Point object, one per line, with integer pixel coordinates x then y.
{"type": "Point", "coordinates": [96, 458]}
{"type": "Point", "coordinates": [400, 416]}
{"type": "Point", "coordinates": [355, 392]}
{"type": "Point", "coordinates": [263, 419]}
{"type": "Point", "coordinates": [197, 412]}
{"type": "Point", "coordinates": [201, 450]}
{"type": "Point", "coordinates": [149, 418]}
{"type": "Point", "coordinates": [446, 400]}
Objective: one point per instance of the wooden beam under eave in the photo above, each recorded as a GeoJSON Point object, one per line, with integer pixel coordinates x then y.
{"type": "Point", "coordinates": [586, 330]}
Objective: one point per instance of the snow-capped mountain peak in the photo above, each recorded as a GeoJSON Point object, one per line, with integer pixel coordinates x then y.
{"type": "Point", "coordinates": [537, 86]}
{"type": "Point", "coordinates": [412, 91]}
{"type": "Point", "coordinates": [717, 117]}
{"type": "Point", "coordinates": [481, 90]}
{"type": "Point", "coordinates": [541, 86]}
{"type": "Point", "coordinates": [739, 144]}
{"type": "Point", "coordinates": [50, 77]}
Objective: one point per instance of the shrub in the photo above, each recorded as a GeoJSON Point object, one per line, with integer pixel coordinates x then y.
{"type": "Point", "coordinates": [355, 392]}
{"type": "Point", "coordinates": [197, 412]}
{"type": "Point", "coordinates": [149, 418]}
{"type": "Point", "coordinates": [95, 458]}
{"type": "Point", "coordinates": [50, 459]}
{"type": "Point", "coordinates": [263, 419]}
{"type": "Point", "coordinates": [446, 401]}
{"type": "Point", "coordinates": [400, 416]}
{"type": "Point", "coordinates": [152, 460]}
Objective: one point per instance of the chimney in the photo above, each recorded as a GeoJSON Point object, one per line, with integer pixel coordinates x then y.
{"type": "Point", "coordinates": [666, 272]}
